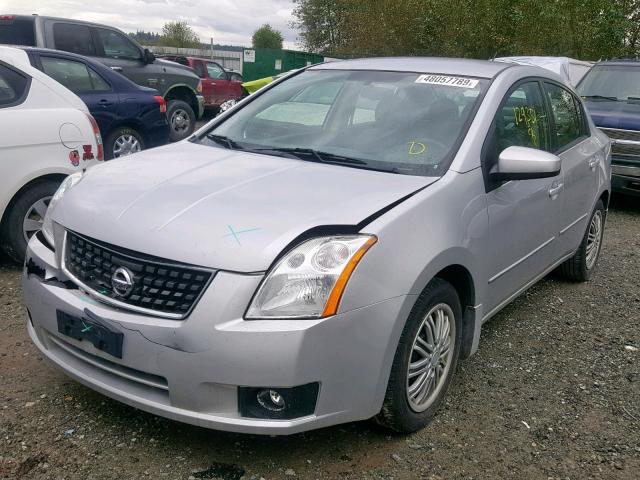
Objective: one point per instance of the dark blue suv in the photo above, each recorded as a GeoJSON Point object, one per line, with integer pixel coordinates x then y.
{"type": "Point", "coordinates": [611, 91]}
{"type": "Point", "coordinates": [130, 117]}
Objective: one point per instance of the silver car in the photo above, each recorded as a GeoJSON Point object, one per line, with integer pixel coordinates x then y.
{"type": "Point", "coordinates": [326, 250]}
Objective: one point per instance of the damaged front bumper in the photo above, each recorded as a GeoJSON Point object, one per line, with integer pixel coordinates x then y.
{"type": "Point", "coordinates": [192, 370]}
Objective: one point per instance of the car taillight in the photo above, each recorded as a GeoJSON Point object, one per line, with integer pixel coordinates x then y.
{"type": "Point", "coordinates": [199, 87]}
{"type": "Point", "coordinates": [162, 103]}
{"type": "Point", "coordinates": [7, 18]}
{"type": "Point", "coordinates": [96, 133]}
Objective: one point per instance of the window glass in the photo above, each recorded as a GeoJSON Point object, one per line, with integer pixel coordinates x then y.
{"type": "Point", "coordinates": [236, 77]}
{"type": "Point", "coordinates": [73, 75]}
{"type": "Point", "coordinates": [215, 71]}
{"type": "Point", "coordinates": [403, 122]}
{"type": "Point", "coordinates": [12, 86]}
{"type": "Point", "coordinates": [197, 66]}
{"type": "Point", "coordinates": [568, 124]}
{"type": "Point", "coordinates": [521, 121]}
{"type": "Point", "coordinates": [99, 83]}
{"type": "Point", "coordinates": [74, 38]}
{"type": "Point", "coordinates": [116, 45]}
{"type": "Point", "coordinates": [611, 83]}
{"type": "Point", "coordinates": [18, 31]}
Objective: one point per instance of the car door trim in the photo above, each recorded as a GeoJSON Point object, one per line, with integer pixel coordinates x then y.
{"type": "Point", "coordinates": [524, 288]}
{"type": "Point", "coordinates": [518, 262]}
{"type": "Point", "coordinates": [573, 224]}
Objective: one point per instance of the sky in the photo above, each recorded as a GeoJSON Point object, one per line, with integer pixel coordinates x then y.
{"type": "Point", "coordinates": [230, 22]}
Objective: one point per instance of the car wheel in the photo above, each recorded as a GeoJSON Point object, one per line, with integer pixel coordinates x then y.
{"type": "Point", "coordinates": [182, 120]}
{"type": "Point", "coordinates": [123, 141]}
{"type": "Point", "coordinates": [25, 216]}
{"type": "Point", "coordinates": [582, 265]}
{"type": "Point", "coordinates": [425, 359]}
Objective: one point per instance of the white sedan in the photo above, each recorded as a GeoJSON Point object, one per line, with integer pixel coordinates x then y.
{"type": "Point", "coordinates": [46, 133]}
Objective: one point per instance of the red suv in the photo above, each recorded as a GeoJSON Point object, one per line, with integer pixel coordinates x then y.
{"type": "Point", "coordinates": [218, 85]}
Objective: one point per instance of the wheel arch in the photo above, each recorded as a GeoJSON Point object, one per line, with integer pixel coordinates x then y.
{"type": "Point", "coordinates": [185, 93]}
{"type": "Point", "coordinates": [456, 268]}
{"type": "Point", "coordinates": [58, 176]}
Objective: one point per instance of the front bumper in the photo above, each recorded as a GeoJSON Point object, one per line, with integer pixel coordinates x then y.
{"type": "Point", "coordinates": [625, 179]}
{"type": "Point", "coordinates": [190, 370]}
{"type": "Point", "coordinates": [200, 111]}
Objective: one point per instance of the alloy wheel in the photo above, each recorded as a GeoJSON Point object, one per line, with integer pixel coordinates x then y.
{"type": "Point", "coordinates": [34, 218]}
{"type": "Point", "coordinates": [431, 357]}
{"type": "Point", "coordinates": [180, 121]}
{"type": "Point", "coordinates": [126, 145]}
{"type": "Point", "coordinates": [594, 239]}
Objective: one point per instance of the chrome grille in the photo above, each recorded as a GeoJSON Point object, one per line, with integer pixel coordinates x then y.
{"type": "Point", "coordinates": [162, 288]}
{"type": "Point", "coordinates": [625, 143]}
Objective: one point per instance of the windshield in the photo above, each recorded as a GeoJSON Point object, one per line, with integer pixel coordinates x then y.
{"type": "Point", "coordinates": [398, 122]}
{"type": "Point", "coordinates": [611, 82]}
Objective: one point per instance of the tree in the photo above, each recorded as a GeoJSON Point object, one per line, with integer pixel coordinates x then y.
{"type": "Point", "coordinates": [179, 34]}
{"type": "Point", "coordinates": [267, 37]}
{"type": "Point", "coordinates": [586, 29]}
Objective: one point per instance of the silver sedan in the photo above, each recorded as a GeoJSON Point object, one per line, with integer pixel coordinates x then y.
{"type": "Point", "coordinates": [326, 250]}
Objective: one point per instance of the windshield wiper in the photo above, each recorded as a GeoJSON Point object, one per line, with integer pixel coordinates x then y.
{"type": "Point", "coordinates": [224, 141]}
{"type": "Point", "coordinates": [600, 97]}
{"type": "Point", "coordinates": [323, 157]}
{"type": "Point", "coordinates": [633, 99]}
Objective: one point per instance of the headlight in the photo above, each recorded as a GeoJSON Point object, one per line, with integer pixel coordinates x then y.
{"type": "Point", "coordinates": [67, 183]}
{"type": "Point", "coordinates": [308, 282]}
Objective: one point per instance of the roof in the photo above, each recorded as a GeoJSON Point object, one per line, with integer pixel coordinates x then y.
{"type": "Point", "coordinates": [620, 61]}
{"type": "Point", "coordinates": [450, 66]}
{"type": "Point", "coordinates": [543, 61]}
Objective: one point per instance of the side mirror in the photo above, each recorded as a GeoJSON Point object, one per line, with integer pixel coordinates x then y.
{"type": "Point", "coordinates": [523, 163]}
{"type": "Point", "coordinates": [148, 57]}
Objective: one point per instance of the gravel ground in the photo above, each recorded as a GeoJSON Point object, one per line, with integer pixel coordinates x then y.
{"type": "Point", "coordinates": [553, 393]}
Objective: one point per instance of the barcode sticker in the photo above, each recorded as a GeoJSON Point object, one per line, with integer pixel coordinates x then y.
{"type": "Point", "coordinates": [462, 82]}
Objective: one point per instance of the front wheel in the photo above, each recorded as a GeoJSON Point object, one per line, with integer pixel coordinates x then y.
{"type": "Point", "coordinates": [581, 267]}
{"type": "Point", "coordinates": [425, 359]}
{"type": "Point", "coordinates": [182, 120]}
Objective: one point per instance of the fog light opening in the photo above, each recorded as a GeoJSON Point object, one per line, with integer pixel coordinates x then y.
{"type": "Point", "coordinates": [271, 400]}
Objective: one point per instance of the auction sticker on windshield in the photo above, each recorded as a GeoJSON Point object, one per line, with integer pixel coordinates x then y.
{"type": "Point", "coordinates": [461, 82]}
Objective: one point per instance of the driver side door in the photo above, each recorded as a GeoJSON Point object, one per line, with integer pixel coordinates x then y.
{"type": "Point", "coordinates": [524, 215]}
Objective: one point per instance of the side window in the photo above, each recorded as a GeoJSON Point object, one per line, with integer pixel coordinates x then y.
{"type": "Point", "coordinates": [522, 121]}
{"type": "Point", "coordinates": [12, 86]}
{"type": "Point", "coordinates": [74, 38]}
{"type": "Point", "coordinates": [569, 126]}
{"type": "Point", "coordinates": [215, 71]}
{"type": "Point", "coordinates": [116, 45]}
{"type": "Point", "coordinates": [197, 66]}
{"type": "Point", "coordinates": [73, 75]}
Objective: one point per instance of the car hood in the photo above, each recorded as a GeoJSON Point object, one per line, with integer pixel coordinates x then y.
{"type": "Point", "coordinates": [623, 115]}
{"type": "Point", "coordinates": [219, 208]}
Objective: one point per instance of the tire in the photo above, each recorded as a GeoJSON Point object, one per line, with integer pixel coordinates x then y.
{"type": "Point", "coordinates": [13, 233]}
{"type": "Point", "coordinates": [182, 120]}
{"type": "Point", "coordinates": [123, 141]}
{"type": "Point", "coordinates": [582, 266]}
{"type": "Point", "coordinates": [398, 412]}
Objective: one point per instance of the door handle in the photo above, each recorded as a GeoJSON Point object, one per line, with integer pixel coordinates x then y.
{"type": "Point", "coordinates": [116, 69]}
{"type": "Point", "coordinates": [593, 163]}
{"type": "Point", "coordinates": [104, 103]}
{"type": "Point", "coordinates": [555, 190]}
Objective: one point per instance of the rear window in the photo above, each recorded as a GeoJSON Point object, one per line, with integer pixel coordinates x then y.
{"type": "Point", "coordinates": [17, 31]}
{"type": "Point", "coordinates": [12, 86]}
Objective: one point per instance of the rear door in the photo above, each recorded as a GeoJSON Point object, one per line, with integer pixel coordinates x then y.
{"type": "Point", "coordinates": [524, 215]}
{"type": "Point", "coordinates": [93, 89]}
{"type": "Point", "coordinates": [581, 156]}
